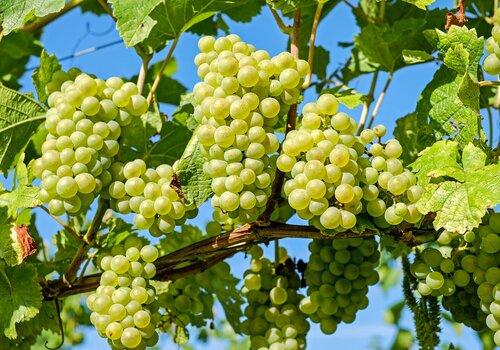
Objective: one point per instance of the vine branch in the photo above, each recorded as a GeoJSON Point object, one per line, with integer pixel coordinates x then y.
{"type": "Point", "coordinates": [64, 225]}
{"type": "Point", "coordinates": [488, 83]}
{"type": "Point", "coordinates": [159, 75]}
{"type": "Point", "coordinates": [203, 254]}
{"type": "Point", "coordinates": [312, 40]}
{"type": "Point", "coordinates": [380, 99]}
{"type": "Point", "coordinates": [141, 78]}
{"type": "Point", "coordinates": [286, 29]}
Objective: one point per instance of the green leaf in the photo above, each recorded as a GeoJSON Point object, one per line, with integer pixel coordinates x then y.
{"type": "Point", "coordinates": [133, 19]}
{"type": "Point", "coordinates": [173, 140]}
{"type": "Point", "coordinates": [20, 297]}
{"type": "Point", "coordinates": [189, 168]}
{"type": "Point", "coordinates": [174, 17]}
{"type": "Point", "coordinates": [67, 245]}
{"type": "Point", "coordinates": [350, 98]}
{"type": "Point", "coordinates": [416, 56]}
{"type": "Point", "coordinates": [20, 116]}
{"type": "Point", "coordinates": [19, 198]}
{"type": "Point", "coordinates": [421, 4]}
{"type": "Point", "coordinates": [15, 13]}
{"type": "Point", "coordinates": [15, 244]}
{"type": "Point", "coordinates": [245, 13]}
{"type": "Point", "coordinates": [118, 230]}
{"type": "Point", "coordinates": [459, 205]}
{"type": "Point", "coordinates": [43, 74]}
{"type": "Point", "coordinates": [440, 155]}
{"type": "Point", "coordinates": [406, 133]}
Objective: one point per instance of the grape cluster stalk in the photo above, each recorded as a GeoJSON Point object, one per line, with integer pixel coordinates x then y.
{"type": "Point", "coordinates": [243, 97]}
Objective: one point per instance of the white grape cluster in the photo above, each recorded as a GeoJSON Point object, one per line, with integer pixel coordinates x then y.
{"type": "Point", "coordinates": [150, 194]}
{"type": "Point", "coordinates": [274, 320]}
{"type": "Point", "coordinates": [338, 275]}
{"type": "Point", "coordinates": [243, 95]}
{"type": "Point", "coordinates": [124, 307]}
{"type": "Point", "coordinates": [464, 270]}
{"type": "Point", "coordinates": [491, 63]}
{"type": "Point", "coordinates": [84, 122]}
{"type": "Point", "coordinates": [336, 175]}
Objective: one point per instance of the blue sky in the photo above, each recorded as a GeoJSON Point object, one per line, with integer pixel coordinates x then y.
{"type": "Point", "coordinates": [75, 32]}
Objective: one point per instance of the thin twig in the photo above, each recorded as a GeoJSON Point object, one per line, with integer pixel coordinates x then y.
{"type": "Point", "coordinates": [490, 123]}
{"type": "Point", "coordinates": [162, 69]}
{"type": "Point", "coordinates": [106, 7]}
{"type": "Point", "coordinates": [88, 238]}
{"type": "Point", "coordinates": [312, 40]}
{"type": "Point", "coordinates": [349, 4]}
{"type": "Point", "coordinates": [64, 225]}
{"type": "Point", "coordinates": [367, 103]}
{"type": "Point", "coordinates": [42, 22]}
{"type": "Point", "coordinates": [143, 71]}
{"type": "Point", "coordinates": [488, 83]}
{"type": "Point", "coordinates": [380, 99]}
{"type": "Point", "coordinates": [286, 29]}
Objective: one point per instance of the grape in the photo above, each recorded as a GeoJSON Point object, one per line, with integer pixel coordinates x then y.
{"type": "Point", "coordinates": [275, 311]}
{"type": "Point", "coordinates": [345, 267]}
{"type": "Point", "coordinates": [83, 126]}
{"type": "Point", "coordinates": [122, 314]}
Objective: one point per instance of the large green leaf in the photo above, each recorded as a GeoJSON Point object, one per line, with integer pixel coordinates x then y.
{"type": "Point", "coordinates": [20, 297]}
{"type": "Point", "coordinates": [422, 4]}
{"type": "Point", "coordinates": [460, 193]}
{"type": "Point", "coordinates": [174, 17]}
{"type": "Point", "coordinates": [173, 139]}
{"type": "Point", "coordinates": [15, 13]}
{"type": "Point", "coordinates": [43, 74]}
{"type": "Point", "coordinates": [449, 105]}
{"type": "Point", "coordinates": [20, 116]}
{"type": "Point", "coordinates": [406, 133]}
{"type": "Point", "coordinates": [132, 19]}
{"type": "Point", "coordinates": [195, 184]}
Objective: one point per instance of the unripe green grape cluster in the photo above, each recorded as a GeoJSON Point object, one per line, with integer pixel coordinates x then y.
{"type": "Point", "coordinates": [150, 194]}
{"type": "Point", "coordinates": [124, 306]}
{"type": "Point", "coordinates": [464, 270]}
{"type": "Point", "coordinates": [273, 319]}
{"type": "Point", "coordinates": [338, 275]}
{"type": "Point", "coordinates": [84, 123]}
{"type": "Point", "coordinates": [336, 175]}
{"type": "Point", "coordinates": [491, 63]}
{"type": "Point", "coordinates": [243, 95]}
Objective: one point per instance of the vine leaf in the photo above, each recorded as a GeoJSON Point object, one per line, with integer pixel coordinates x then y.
{"type": "Point", "coordinates": [133, 19]}
{"type": "Point", "coordinates": [43, 74]}
{"type": "Point", "coordinates": [20, 116]}
{"type": "Point", "coordinates": [15, 244]}
{"type": "Point", "coordinates": [15, 13]}
{"type": "Point", "coordinates": [20, 297]}
{"type": "Point", "coordinates": [189, 168]}
{"type": "Point", "coordinates": [460, 192]}
{"type": "Point", "coordinates": [421, 4]}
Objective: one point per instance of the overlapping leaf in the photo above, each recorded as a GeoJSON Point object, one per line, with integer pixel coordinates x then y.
{"type": "Point", "coordinates": [15, 13]}
{"type": "Point", "coordinates": [459, 192]}
{"type": "Point", "coordinates": [43, 74]}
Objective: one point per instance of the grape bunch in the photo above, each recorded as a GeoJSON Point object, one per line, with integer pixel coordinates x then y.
{"type": "Point", "coordinates": [336, 175]}
{"type": "Point", "coordinates": [84, 123]}
{"type": "Point", "coordinates": [273, 321]}
{"type": "Point", "coordinates": [491, 63]}
{"type": "Point", "coordinates": [124, 307]}
{"type": "Point", "coordinates": [464, 270]}
{"type": "Point", "coordinates": [243, 95]}
{"type": "Point", "coordinates": [338, 274]}
{"type": "Point", "coordinates": [150, 194]}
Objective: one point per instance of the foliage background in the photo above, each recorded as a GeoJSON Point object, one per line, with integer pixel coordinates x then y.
{"type": "Point", "coordinates": [76, 31]}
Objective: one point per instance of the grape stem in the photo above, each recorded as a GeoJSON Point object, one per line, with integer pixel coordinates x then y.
{"type": "Point", "coordinates": [69, 277]}
{"type": "Point", "coordinates": [64, 225]}
{"type": "Point", "coordinates": [141, 78]}
{"type": "Point", "coordinates": [42, 22]}
{"type": "Point", "coordinates": [488, 83]}
{"type": "Point", "coordinates": [380, 99]}
{"type": "Point", "coordinates": [286, 29]}
{"type": "Point", "coordinates": [205, 253]}
{"type": "Point", "coordinates": [290, 125]}
{"type": "Point", "coordinates": [312, 40]}
{"type": "Point", "coordinates": [106, 8]}
{"type": "Point", "coordinates": [367, 103]}
{"type": "Point", "coordinates": [159, 75]}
